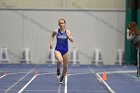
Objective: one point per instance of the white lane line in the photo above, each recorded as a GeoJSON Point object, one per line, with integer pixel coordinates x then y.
{"type": "Point", "coordinates": [20, 91]}
{"type": "Point", "coordinates": [79, 73]}
{"type": "Point", "coordinates": [47, 73]}
{"type": "Point", "coordinates": [75, 91]}
{"type": "Point", "coordinates": [59, 88]}
{"type": "Point", "coordinates": [119, 72]}
{"type": "Point", "coordinates": [66, 84]}
{"type": "Point", "coordinates": [17, 82]}
{"type": "Point", "coordinates": [6, 91]}
{"type": "Point", "coordinates": [107, 86]}
{"type": "Point", "coordinates": [2, 76]}
{"type": "Point", "coordinates": [102, 81]}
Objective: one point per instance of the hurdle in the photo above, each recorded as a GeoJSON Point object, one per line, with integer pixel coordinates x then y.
{"type": "Point", "coordinates": [51, 57]}
{"type": "Point", "coordinates": [4, 57]}
{"type": "Point", "coordinates": [97, 57]}
{"type": "Point", "coordinates": [26, 56]}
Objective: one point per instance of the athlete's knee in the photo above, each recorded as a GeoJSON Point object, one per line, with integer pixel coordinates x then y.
{"type": "Point", "coordinates": [60, 60]}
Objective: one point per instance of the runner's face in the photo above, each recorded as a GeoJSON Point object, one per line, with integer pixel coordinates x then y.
{"type": "Point", "coordinates": [61, 24]}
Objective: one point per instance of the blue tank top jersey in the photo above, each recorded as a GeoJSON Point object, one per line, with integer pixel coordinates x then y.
{"type": "Point", "coordinates": [62, 41]}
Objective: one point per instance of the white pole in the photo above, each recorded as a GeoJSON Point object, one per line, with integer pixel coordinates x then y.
{"type": "Point", "coordinates": [52, 56]}
{"type": "Point", "coordinates": [27, 55]}
{"type": "Point", "coordinates": [96, 56]}
{"type": "Point", "coordinates": [74, 55]}
{"type": "Point", "coordinates": [120, 56]}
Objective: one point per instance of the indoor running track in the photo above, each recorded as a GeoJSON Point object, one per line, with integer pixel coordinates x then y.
{"type": "Point", "coordinates": [23, 78]}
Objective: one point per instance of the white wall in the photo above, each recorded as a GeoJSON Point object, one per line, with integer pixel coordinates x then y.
{"type": "Point", "coordinates": [91, 29]}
